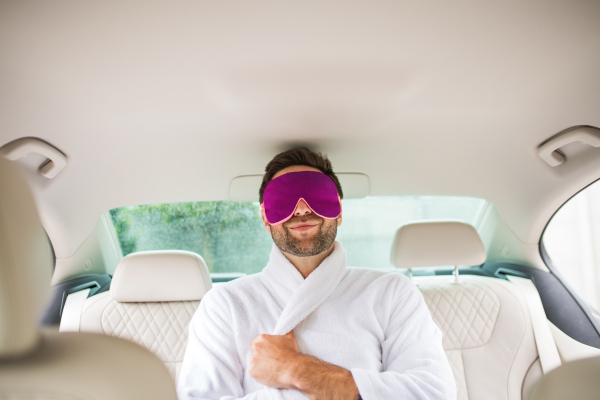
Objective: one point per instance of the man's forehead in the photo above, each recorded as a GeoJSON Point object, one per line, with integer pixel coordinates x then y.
{"type": "Point", "coordinates": [295, 168]}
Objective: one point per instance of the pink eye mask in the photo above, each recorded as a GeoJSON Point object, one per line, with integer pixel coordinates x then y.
{"type": "Point", "coordinates": [283, 194]}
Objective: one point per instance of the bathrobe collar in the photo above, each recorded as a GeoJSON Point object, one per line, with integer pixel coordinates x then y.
{"type": "Point", "coordinates": [302, 296]}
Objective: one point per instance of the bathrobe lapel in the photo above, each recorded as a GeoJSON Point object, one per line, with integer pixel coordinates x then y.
{"type": "Point", "coordinates": [302, 296]}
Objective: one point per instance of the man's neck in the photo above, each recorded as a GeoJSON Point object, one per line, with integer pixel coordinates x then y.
{"type": "Point", "coordinates": [306, 265]}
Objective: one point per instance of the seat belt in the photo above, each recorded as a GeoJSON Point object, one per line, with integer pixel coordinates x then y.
{"type": "Point", "coordinates": [71, 315]}
{"type": "Point", "coordinates": [546, 347]}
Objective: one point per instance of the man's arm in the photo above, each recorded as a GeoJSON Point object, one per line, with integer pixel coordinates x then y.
{"type": "Point", "coordinates": [415, 365]}
{"type": "Point", "coordinates": [320, 380]}
{"type": "Point", "coordinates": [211, 369]}
{"type": "Point", "coordinates": [277, 362]}
{"type": "Point", "coordinates": [414, 362]}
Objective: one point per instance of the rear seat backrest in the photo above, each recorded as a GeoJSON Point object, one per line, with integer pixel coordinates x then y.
{"type": "Point", "coordinates": [152, 298]}
{"type": "Point", "coordinates": [487, 333]}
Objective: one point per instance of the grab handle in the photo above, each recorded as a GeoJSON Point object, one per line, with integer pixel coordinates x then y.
{"type": "Point", "coordinates": [549, 151]}
{"type": "Point", "coordinates": [21, 147]}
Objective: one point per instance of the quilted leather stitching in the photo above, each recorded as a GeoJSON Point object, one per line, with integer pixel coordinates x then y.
{"type": "Point", "coordinates": [172, 367]}
{"type": "Point", "coordinates": [465, 313]}
{"type": "Point", "coordinates": [160, 327]}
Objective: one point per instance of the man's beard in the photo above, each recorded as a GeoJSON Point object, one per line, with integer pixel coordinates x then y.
{"type": "Point", "coordinates": [305, 247]}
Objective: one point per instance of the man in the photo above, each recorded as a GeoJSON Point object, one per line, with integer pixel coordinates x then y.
{"type": "Point", "coordinates": [308, 326]}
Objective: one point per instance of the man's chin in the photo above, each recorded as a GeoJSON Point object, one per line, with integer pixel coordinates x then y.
{"type": "Point", "coordinates": [302, 252]}
{"type": "Point", "coordinates": [304, 244]}
{"type": "Point", "coordinates": [300, 247]}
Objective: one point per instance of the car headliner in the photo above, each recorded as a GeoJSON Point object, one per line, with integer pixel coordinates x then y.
{"type": "Point", "coordinates": [168, 101]}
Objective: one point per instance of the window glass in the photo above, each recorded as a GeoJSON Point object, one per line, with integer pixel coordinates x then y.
{"type": "Point", "coordinates": [572, 241]}
{"type": "Point", "coordinates": [369, 225]}
{"type": "Point", "coordinates": [231, 236]}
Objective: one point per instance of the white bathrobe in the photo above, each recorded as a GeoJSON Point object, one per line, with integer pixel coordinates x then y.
{"type": "Point", "coordinates": [373, 323]}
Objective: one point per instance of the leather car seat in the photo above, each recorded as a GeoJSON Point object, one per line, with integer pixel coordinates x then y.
{"type": "Point", "coordinates": [35, 365]}
{"type": "Point", "coordinates": [152, 299]}
{"type": "Point", "coordinates": [487, 331]}
{"type": "Point", "coordinates": [577, 380]}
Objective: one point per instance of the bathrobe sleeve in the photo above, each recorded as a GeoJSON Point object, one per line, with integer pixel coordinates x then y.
{"type": "Point", "coordinates": [211, 368]}
{"type": "Point", "coordinates": [414, 363]}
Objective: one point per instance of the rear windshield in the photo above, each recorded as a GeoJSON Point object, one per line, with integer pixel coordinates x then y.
{"type": "Point", "coordinates": [231, 237]}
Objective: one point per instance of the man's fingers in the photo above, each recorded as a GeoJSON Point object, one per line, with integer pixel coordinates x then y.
{"type": "Point", "coordinates": [265, 342]}
{"type": "Point", "coordinates": [294, 343]}
{"type": "Point", "coordinates": [291, 335]}
{"type": "Point", "coordinates": [259, 338]}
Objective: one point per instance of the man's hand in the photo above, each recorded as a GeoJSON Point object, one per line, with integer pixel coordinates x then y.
{"type": "Point", "coordinates": [273, 359]}
{"type": "Point", "coordinates": [277, 362]}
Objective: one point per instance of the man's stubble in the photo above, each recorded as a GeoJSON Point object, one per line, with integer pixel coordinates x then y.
{"type": "Point", "coordinates": [305, 247]}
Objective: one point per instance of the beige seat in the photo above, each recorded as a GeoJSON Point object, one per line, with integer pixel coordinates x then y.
{"type": "Point", "coordinates": [152, 298]}
{"type": "Point", "coordinates": [487, 332]}
{"type": "Point", "coordinates": [577, 380]}
{"type": "Point", "coordinates": [36, 365]}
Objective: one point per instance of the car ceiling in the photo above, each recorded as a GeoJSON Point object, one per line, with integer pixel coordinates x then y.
{"type": "Point", "coordinates": [164, 101]}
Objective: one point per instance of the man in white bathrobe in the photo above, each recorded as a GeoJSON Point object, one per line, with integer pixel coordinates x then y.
{"type": "Point", "coordinates": [309, 326]}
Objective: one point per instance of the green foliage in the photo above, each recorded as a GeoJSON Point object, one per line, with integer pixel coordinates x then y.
{"type": "Point", "coordinates": [229, 236]}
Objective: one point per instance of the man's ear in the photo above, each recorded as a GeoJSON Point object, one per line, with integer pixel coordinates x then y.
{"type": "Point", "coordinates": [339, 218]}
{"type": "Point", "coordinates": [264, 218]}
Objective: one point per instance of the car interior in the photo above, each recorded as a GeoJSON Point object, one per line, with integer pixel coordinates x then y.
{"type": "Point", "coordinates": [134, 137]}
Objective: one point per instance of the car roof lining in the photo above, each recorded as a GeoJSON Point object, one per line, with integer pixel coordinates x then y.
{"type": "Point", "coordinates": [171, 101]}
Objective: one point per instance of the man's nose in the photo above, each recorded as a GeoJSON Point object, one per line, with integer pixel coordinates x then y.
{"type": "Point", "coordinates": [302, 209]}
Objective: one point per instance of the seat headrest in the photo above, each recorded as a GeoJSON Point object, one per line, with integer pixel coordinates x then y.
{"type": "Point", "coordinates": [152, 276]}
{"type": "Point", "coordinates": [25, 263]}
{"type": "Point", "coordinates": [437, 243]}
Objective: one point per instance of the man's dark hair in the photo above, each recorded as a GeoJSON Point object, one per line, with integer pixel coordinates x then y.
{"type": "Point", "coordinates": [298, 156]}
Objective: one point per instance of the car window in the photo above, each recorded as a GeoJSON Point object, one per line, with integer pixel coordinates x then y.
{"type": "Point", "coordinates": [232, 239]}
{"type": "Point", "coordinates": [572, 241]}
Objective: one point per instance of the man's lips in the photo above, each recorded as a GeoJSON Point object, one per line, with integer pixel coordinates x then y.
{"type": "Point", "coordinates": [303, 226]}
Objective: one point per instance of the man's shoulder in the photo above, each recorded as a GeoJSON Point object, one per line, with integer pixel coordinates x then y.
{"type": "Point", "coordinates": [383, 287]}
{"type": "Point", "coordinates": [379, 280]}
{"type": "Point", "coordinates": [372, 275]}
{"type": "Point", "coordinates": [236, 287]}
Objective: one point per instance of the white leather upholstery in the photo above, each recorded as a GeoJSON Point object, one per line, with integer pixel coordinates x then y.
{"type": "Point", "coordinates": [79, 366]}
{"type": "Point", "coordinates": [487, 334]}
{"type": "Point", "coordinates": [466, 312]}
{"type": "Point", "coordinates": [24, 274]}
{"type": "Point", "coordinates": [160, 326]}
{"type": "Point", "coordinates": [577, 380]}
{"type": "Point", "coordinates": [436, 243]}
{"type": "Point", "coordinates": [160, 276]}
{"type": "Point", "coordinates": [56, 366]}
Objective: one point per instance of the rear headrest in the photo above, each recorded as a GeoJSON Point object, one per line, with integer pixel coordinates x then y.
{"type": "Point", "coordinates": [152, 276]}
{"type": "Point", "coordinates": [436, 243]}
{"type": "Point", "coordinates": [25, 263]}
